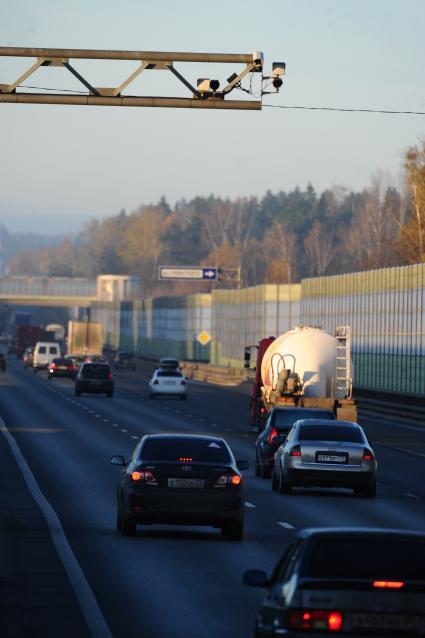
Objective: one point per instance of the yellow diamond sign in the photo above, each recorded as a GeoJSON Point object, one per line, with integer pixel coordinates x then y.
{"type": "Point", "coordinates": [203, 337]}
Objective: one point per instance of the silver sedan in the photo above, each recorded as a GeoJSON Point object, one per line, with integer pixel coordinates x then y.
{"type": "Point", "coordinates": [325, 453]}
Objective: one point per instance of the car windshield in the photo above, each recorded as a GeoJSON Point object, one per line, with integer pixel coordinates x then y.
{"type": "Point", "coordinates": [346, 433]}
{"type": "Point", "coordinates": [95, 371]}
{"type": "Point", "coordinates": [169, 373]}
{"type": "Point", "coordinates": [175, 449]}
{"type": "Point", "coordinates": [377, 558]}
{"type": "Point", "coordinates": [287, 417]}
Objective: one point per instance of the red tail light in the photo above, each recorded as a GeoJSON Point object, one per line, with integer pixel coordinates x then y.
{"type": "Point", "coordinates": [144, 476]}
{"type": "Point", "coordinates": [110, 376]}
{"type": "Point", "coordinates": [388, 584]}
{"type": "Point", "coordinates": [368, 455]}
{"type": "Point", "coordinates": [53, 365]}
{"type": "Point", "coordinates": [228, 479]}
{"type": "Point", "coordinates": [315, 620]}
{"type": "Point", "coordinates": [273, 435]}
{"type": "Point", "coordinates": [296, 451]}
{"type": "Point", "coordinates": [262, 410]}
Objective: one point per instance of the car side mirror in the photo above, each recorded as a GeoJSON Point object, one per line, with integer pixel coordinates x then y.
{"type": "Point", "coordinates": [242, 465]}
{"type": "Point", "coordinates": [256, 578]}
{"type": "Point", "coordinates": [117, 459]}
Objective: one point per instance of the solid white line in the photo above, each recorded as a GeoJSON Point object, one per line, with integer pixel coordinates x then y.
{"type": "Point", "coordinates": [249, 504]}
{"type": "Point", "coordinates": [413, 496]}
{"type": "Point", "coordinates": [402, 449]}
{"type": "Point", "coordinates": [286, 525]}
{"type": "Point", "coordinates": [88, 603]}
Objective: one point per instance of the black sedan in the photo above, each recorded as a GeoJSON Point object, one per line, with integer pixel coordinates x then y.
{"type": "Point", "coordinates": [94, 378]}
{"type": "Point", "coordinates": [278, 424]}
{"type": "Point", "coordinates": [345, 581]}
{"type": "Point", "coordinates": [181, 479]}
{"type": "Point", "coordinates": [62, 367]}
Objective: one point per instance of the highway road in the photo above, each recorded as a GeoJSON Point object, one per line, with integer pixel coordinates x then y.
{"type": "Point", "coordinates": [168, 581]}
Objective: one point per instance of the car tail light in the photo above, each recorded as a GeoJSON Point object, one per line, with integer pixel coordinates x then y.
{"type": "Point", "coordinates": [295, 451]}
{"type": "Point", "coordinates": [144, 476]}
{"type": "Point", "coordinates": [262, 410]}
{"type": "Point", "coordinates": [110, 376]}
{"type": "Point", "coordinates": [368, 455]}
{"type": "Point", "coordinates": [228, 479]}
{"type": "Point", "coordinates": [388, 584]}
{"type": "Point", "coordinates": [315, 620]}
{"type": "Point", "coordinates": [53, 365]}
{"type": "Point", "coordinates": [272, 435]}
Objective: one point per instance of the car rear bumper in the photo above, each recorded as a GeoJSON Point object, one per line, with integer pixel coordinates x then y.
{"type": "Point", "coordinates": [169, 390]}
{"type": "Point", "coordinates": [330, 477]}
{"type": "Point", "coordinates": [102, 388]}
{"type": "Point", "coordinates": [186, 509]}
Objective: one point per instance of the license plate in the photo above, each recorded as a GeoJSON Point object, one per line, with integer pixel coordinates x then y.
{"type": "Point", "coordinates": [62, 368]}
{"type": "Point", "coordinates": [396, 622]}
{"type": "Point", "coordinates": [323, 457]}
{"type": "Point", "coordinates": [185, 483]}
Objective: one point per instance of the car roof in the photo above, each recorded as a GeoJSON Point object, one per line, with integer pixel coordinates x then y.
{"type": "Point", "coordinates": [292, 408]}
{"type": "Point", "coordinates": [315, 532]}
{"type": "Point", "coordinates": [328, 422]}
{"type": "Point", "coordinates": [194, 437]}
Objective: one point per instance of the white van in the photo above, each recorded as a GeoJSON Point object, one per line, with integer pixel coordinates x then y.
{"type": "Point", "coordinates": [44, 353]}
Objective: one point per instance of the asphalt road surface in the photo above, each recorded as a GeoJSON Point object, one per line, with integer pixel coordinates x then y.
{"type": "Point", "coordinates": [66, 571]}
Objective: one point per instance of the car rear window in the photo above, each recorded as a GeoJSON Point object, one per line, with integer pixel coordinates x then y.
{"type": "Point", "coordinates": [169, 373]}
{"type": "Point", "coordinates": [343, 433]}
{"type": "Point", "coordinates": [287, 417]}
{"type": "Point", "coordinates": [42, 350]}
{"type": "Point", "coordinates": [53, 350]}
{"type": "Point", "coordinates": [174, 449]}
{"type": "Point", "coordinates": [370, 558]}
{"type": "Point", "coordinates": [96, 371]}
{"type": "Point", "coordinates": [62, 362]}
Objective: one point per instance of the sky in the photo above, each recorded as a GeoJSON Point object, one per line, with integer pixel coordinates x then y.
{"type": "Point", "coordinates": [64, 165]}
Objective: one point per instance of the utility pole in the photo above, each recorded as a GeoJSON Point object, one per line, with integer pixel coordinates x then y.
{"type": "Point", "coordinates": [205, 95]}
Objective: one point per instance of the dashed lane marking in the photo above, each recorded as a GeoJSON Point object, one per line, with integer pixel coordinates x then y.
{"type": "Point", "coordinates": [286, 525]}
{"type": "Point", "coordinates": [134, 437]}
{"type": "Point", "coordinates": [249, 504]}
{"type": "Point", "coordinates": [87, 601]}
{"type": "Point", "coordinates": [106, 420]}
{"type": "Point", "coordinates": [124, 430]}
{"type": "Point", "coordinates": [413, 496]}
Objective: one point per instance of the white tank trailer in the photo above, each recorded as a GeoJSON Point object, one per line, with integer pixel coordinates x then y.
{"type": "Point", "coordinates": [307, 366]}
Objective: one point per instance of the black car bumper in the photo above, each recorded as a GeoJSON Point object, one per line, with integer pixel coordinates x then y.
{"type": "Point", "coordinates": [329, 478]}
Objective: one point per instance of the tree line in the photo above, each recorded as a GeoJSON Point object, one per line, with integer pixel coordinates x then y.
{"type": "Point", "coordinates": [279, 238]}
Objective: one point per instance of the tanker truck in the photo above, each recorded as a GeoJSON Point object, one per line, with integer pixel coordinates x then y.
{"type": "Point", "coordinates": [304, 367]}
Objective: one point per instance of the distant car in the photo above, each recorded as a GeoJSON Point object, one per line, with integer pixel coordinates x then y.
{"type": "Point", "coordinates": [3, 364]}
{"type": "Point", "coordinates": [278, 424]}
{"type": "Point", "coordinates": [124, 360]}
{"type": "Point", "coordinates": [94, 378]}
{"type": "Point", "coordinates": [325, 453]}
{"type": "Point", "coordinates": [95, 358]}
{"type": "Point", "coordinates": [181, 479]}
{"type": "Point", "coordinates": [168, 381]}
{"type": "Point", "coordinates": [345, 581]}
{"type": "Point", "coordinates": [28, 357]}
{"type": "Point", "coordinates": [169, 362]}
{"type": "Point", "coordinates": [77, 359]}
{"type": "Point", "coordinates": [62, 367]}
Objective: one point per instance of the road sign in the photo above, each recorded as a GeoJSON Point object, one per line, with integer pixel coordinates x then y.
{"type": "Point", "coordinates": [193, 273]}
{"type": "Point", "coordinates": [204, 337]}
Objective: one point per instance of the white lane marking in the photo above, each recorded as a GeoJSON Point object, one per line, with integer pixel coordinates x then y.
{"type": "Point", "coordinates": [286, 525]}
{"type": "Point", "coordinates": [115, 425]}
{"type": "Point", "coordinates": [91, 411]}
{"type": "Point", "coordinates": [167, 408]}
{"type": "Point", "coordinates": [178, 412]}
{"type": "Point", "coordinates": [249, 504]}
{"type": "Point", "coordinates": [124, 430]}
{"type": "Point", "coordinates": [106, 420]}
{"type": "Point", "coordinates": [85, 407]}
{"type": "Point", "coordinates": [134, 437]}
{"type": "Point", "coordinates": [201, 420]}
{"type": "Point", "coordinates": [88, 603]}
{"type": "Point", "coordinates": [214, 424]}
{"type": "Point", "coordinates": [413, 496]}
{"type": "Point", "coordinates": [98, 416]}
{"type": "Point", "coordinates": [402, 449]}
{"type": "Point", "coordinates": [190, 415]}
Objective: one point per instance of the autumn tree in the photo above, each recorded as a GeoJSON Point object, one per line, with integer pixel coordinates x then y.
{"type": "Point", "coordinates": [412, 234]}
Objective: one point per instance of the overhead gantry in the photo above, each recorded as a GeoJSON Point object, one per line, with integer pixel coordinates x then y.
{"type": "Point", "coordinates": [207, 93]}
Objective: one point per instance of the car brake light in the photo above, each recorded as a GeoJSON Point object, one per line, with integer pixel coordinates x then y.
{"type": "Point", "coordinates": [144, 476]}
{"type": "Point", "coordinates": [110, 376]}
{"type": "Point", "coordinates": [368, 455]}
{"type": "Point", "coordinates": [296, 451]}
{"type": "Point", "coordinates": [315, 620]}
{"type": "Point", "coordinates": [262, 410]}
{"type": "Point", "coordinates": [186, 459]}
{"type": "Point", "coordinates": [388, 584]}
{"type": "Point", "coordinates": [272, 435]}
{"type": "Point", "coordinates": [228, 479]}
{"type": "Point", "coordinates": [53, 365]}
